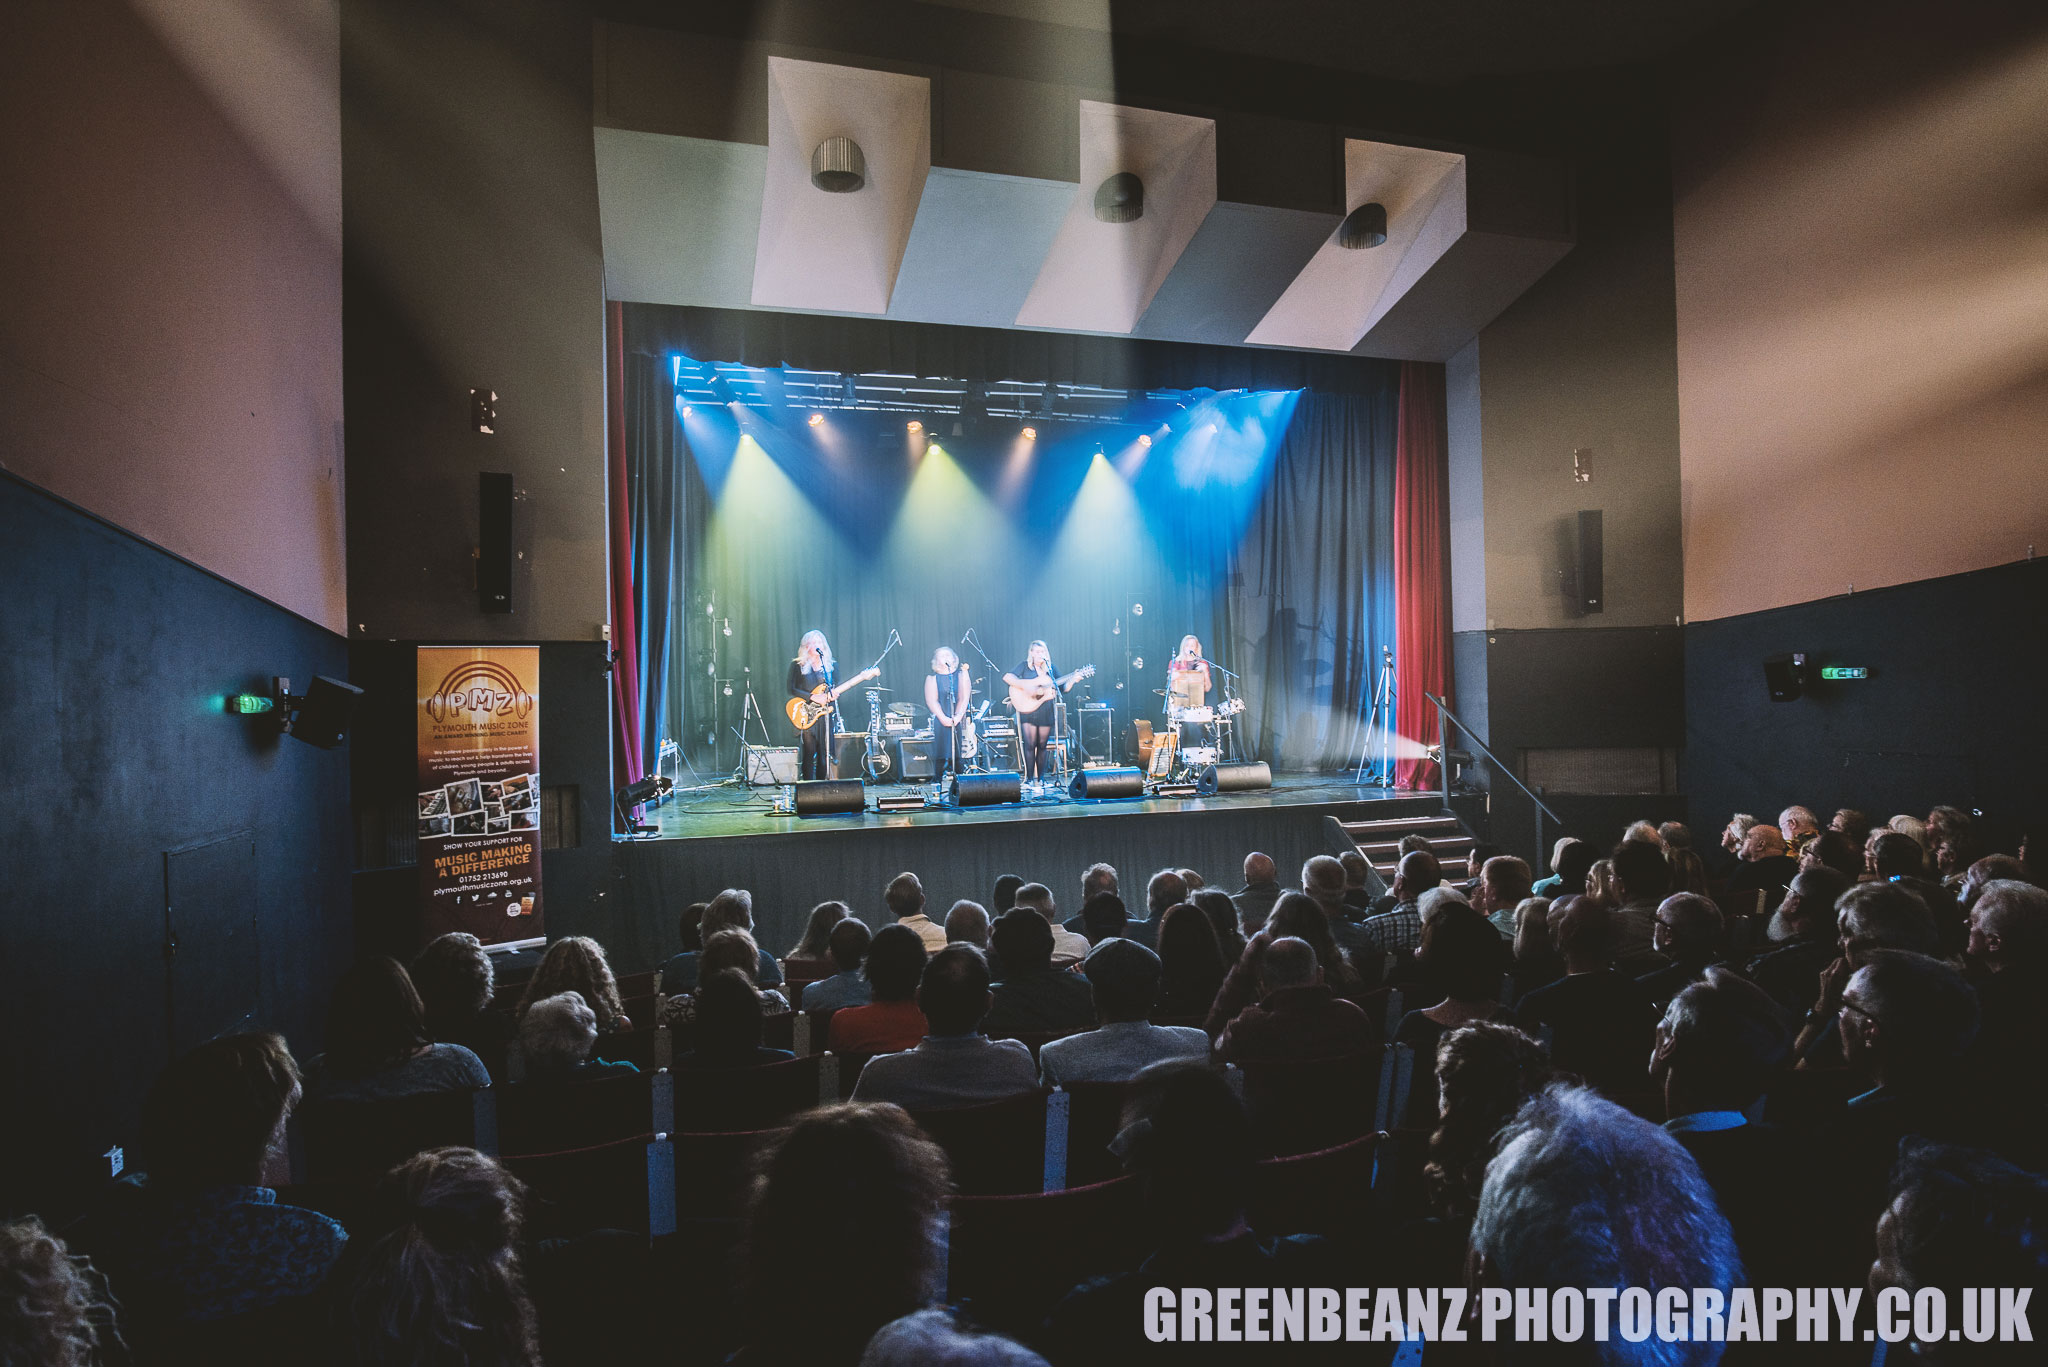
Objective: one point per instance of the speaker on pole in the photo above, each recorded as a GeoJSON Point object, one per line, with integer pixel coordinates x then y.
{"type": "Point", "coordinates": [1234, 777]}
{"type": "Point", "coordinates": [494, 543]}
{"type": "Point", "coordinates": [1096, 784]}
{"type": "Point", "coordinates": [1589, 566]}
{"type": "Point", "coordinates": [830, 797]}
{"type": "Point", "coordinates": [987, 790]}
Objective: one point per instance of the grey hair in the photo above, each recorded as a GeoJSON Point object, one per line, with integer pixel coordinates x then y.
{"type": "Point", "coordinates": [2017, 912]}
{"type": "Point", "coordinates": [1323, 874]}
{"type": "Point", "coordinates": [1582, 1193]}
{"type": "Point", "coordinates": [557, 1032]}
{"type": "Point", "coordinates": [1891, 915]}
{"type": "Point", "coordinates": [931, 1338]}
{"type": "Point", "coordinates": [1430, 902]}
{"type": "Point", "coordinates": [1039, 898]}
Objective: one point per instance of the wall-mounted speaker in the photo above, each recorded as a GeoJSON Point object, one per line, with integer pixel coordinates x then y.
{"type": "Point", "coordinates": [830, 797]}
{"type": "Point", "coordinates": [1785, 676]}
{"type": "Point", "coordinates": [494, 543]}
{"type": "Point", "coordinates": [987, 790]}
{"type": "Point", "coordinates": [1096, 784]}
{"type": "Point", "coordinates": [1234, 777]}
{"type": "Point", "coordinates": [1589, 570]}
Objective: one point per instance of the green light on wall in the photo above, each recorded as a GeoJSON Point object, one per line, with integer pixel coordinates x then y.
{"type": "Point", "coordinates": [249, 704]}
{"type": "Point", "coordinates": [1844, 672]}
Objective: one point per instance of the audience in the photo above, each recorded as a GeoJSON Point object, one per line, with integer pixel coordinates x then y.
{"type": "Point", "coordinates": [955, 1064]}
{"type": "Point", "coordinates": [967, 923]}
{"type": "Point", "coordinates": [1600, 1021]}
{"type": "Point", "coordinates": [1537, 962]}
{"type": "Point", "coordinates": [1461, 956]}
{"type": "Point", "coordinates": [734, 949]}
{"type": "Point", "coordinates": [1191, 962]}
{"type": "Point", "coordinates": [1831, 849]}
{"type": "Point", "coordinates": [1851, 823]}
{"type": "Point", "coordinates": [1475, 862]}
{"type": "Point", "coordinates": [732, 909]}
{"type": "Point", "coordinates": [891, 1020]}
{"type": "Point", "coordinates": [933, 1338]}
{"type": "Point", "coordinates": [1906, 1023]}
{"type": "Point", "coordinates": [905, 899]}
{"type": "Point", "coordinates": [1124, 978]}
{"type": "Point", "coordinates": [863, 1184]}
{"type": "Point", "coordinates": [1191, 880]}
{"type": "Point", "coordinates": [377, 1045]}
{"type": "Point", "coordinates": [848, 946]}
{"type": "Point", "coordinates": [1803, 929]}
{"type": "Point", "coordinates": [1400, 929]}
{"type": "Point", "coordinates": [1688, 933]}
{"type": "Point", "coordinates": [1870, 916]}
{"type": "Point", "coordinates": [54, 1309]}
{"type": "Point", "coordinates": [1005, 895]}
{"type": "Point", "coordinates": [433, 1279]}
{"type": "Point", "coordinates": [1068, 947]}
{"type": "Point", "coordinates": [1799, 828]}
{"type": "Point", "coordinates": [1894, 854]}
{"type": "Point", "coordinates": [1254, 901]}
{"type": "Point", "coordinates": [1357, 874]}
{"type": "Point", "coordinates": [1765, 870]}
{"type": "Point", "coordinates": [1584, 1194]}
{"type": "Point", "coordinates": [1600, 886]}
{"type": "Point", "coordinates": [1221, 913]}
{"type": "Point", "coordinates": [577, 963]}
{"type": "Point", "coordinates": [1165, 889]}
{"type": "Point", "coordinates": [811, 956]}
{"type": "Point", "coordinates": [1104, 917]}
{"type": "Point", "coordinates": [1484, 1073]}
{"type": "Point", "coordinates": [728, 1033]}
{"type": "Point", "coordinates": [1675, 835]}
{"type": "Point", "coordinates": [1642, 877]}
{"type": "Point", "coordinates": [453, 976]}
{"type": "Point", "coordinates": [1323, 879]}
{"type": "Point", "coordinates": [1297, 1016]}
{"type": "Point", "coordinates": [1570, 860]}
{"type": "Point", "coordinates": [1503, 882]}
{"type": "Point", "coordinates": [555, 1038]}
{"type": "Point", "coordinates": [1033, 996]}
{"type": "Point", "coordinates": [1296, 915]}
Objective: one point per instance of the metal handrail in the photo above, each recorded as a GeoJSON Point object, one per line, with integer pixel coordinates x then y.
{"type": "Point", "coordinates": [1443, 768]}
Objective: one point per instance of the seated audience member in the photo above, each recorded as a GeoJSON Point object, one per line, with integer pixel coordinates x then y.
{"type": "Point", "coordinates": [1296, 915]}
{"type": "Point", "coordinates": [1323, 879]}
{"type": "Point", "coordinates": [434, 1277]}
{"type": "Point", "coordinates": [1503, 883]}
{"type": "Point", "coordinates": [967, 923]}
{"type": "Point", "coordinates": [2007, 959]}
{"type": "Point", "coordinates": [1221, 913]}
{"type": "Point", "coordinates": [1191, 964]}
{"type": "Point", "coordinates": [1297, 1016]}
{"type": "Point", "coordinates": [1583, 1194]}
{"type": "Point", "coordinates": [1851, 823]}
{"type": "Point", "coordinates": [1033, 996]}
{"type": "Point", "coordinates": [683, 963]}
{"type": "Point", "coordinates": [1254, 901]}
{"type": "Point", "coordinates": [905, 899]}
{"type": "Point", "coordinates": [1400, 929]}
{"type": "Point", "coordinates": [1165, 889]}
{"type": "Point", "coordinates": [1124, 977]}
{"type": "Point", "coordinates": [1005, 895]}
{"type": "Point", "coordinates": [2008, 931]}
{"type": "Point", "coordinates": [1642, 879]}
{"type": "Point", "coordinates": [734, 949]}
{"type": "Point", "coordinates": [1462, 956]}
{"type": "Point", "coordinates": [1799, 827]}
{"type": "Point", "coordinates": [1601, 1021]}
{"type": "Point", "coordinates": [577, 963]}
{"type": "Point", "coordinates": [1189, 1141]}
{"type": "Point", "coordinates": [1537, 962]}
{"type": "Point", "coordinates": [1868, 917]}
{"type": "Point", "coordinates": [812, 956]}
{"type": "Point", "coordinates": [891, 1020]}
{"type": "Point", "coordinates": [1191, 880]}
{"type": "Point", "coordinates": [54, 1308]}
{"type": "Point", "coordinates": [454, 979]}
{"type": "Point", "coordinates": [955, 1064]}
{"type": "Point", "coordinates": [1675, 835]}
{"type": "Point", "coordinates": [1906, 1023]}
{"type": "Point", "coordinates": [1570, 859]}
{"type": "Point", "coordinates": [555, 1039]}
{"type": "Point", "coordinates": [861, 1180]}
{"type": "Point", "coordinates": [1475, 862]}
{"type": "Point", "coordinates": [1736, 832]}
{"type": "Point", "coordinates": [1104, 917]}
{"type": "Point", "coordinates": [848, 946]}
{"type": "Point", "coordinates": [933, 1338]}
{"type": "Point", "coordinates": [1643, 831]}
{"type": "Point", "coordinates": [1484, 1074]}
{"type": "Point", "coordinates": [1803, 933]}
{"type": "Point", "coordinates": [1409, 844]}
{"type": "Point", "coordinates": [1600, 885]}
{"type": "Point", "coordinates": [377, 1045]}
{"type": "Point", "coordinates": [1357, 874]}
{"type": "Point", "coordinates": [1831, 849]}
{"type": "Point", "coordinates": [1761, 878]}
{"type": "Point", "coordinates": [1097, 878]}
{"type": "Point", "coordinates": [1961, 1219]}
{"type": "Point", "coordinates": [1990, 869]}
{"type": "Point", "coordinates": [1688, 870]}
{"type": "Point", "coordinates": [1688, 933]}
{"type": "Point", "coordinates": [1894, 854]}
{"type": "Point", "coordinates": [208, 1239]}
{"type": "Point", "coordinates": [728, 1033]}
{"type": "Point", "coordinates": [1951, 843]}
{"type": "Point", "coordinates": [732, 909]}
{"type": "Point", "coordinates": [1068, 947]}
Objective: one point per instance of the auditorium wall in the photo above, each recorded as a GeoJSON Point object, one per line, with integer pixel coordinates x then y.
{"type": "Point", "coordinates": [170, 349]}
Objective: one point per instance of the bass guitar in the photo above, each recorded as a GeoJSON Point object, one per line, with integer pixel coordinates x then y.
{"type": "Point", "coordinates": [1036, 693]}
{"type": "Point", "coordinates": [804, 712]}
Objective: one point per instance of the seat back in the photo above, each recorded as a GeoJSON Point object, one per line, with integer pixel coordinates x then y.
{"type": "Point", "coordinates": [714, 1171]}
{"type": "Point", "coordinates": [639, 1046]}
{"type": "Point", "coordinates": [849, 1066]}
{"type": "Point", "coordinates": [642, 1010]}
{"type": "Point", "coordinates": [995, 1148]}
{"type": "Point", "coordinates": [550, 1117]}
{"type": "Point", "coordinates": [641, 984]}
{"type": "Point", "coordinates": [356, 1140]}
{"type": "Point", "coordinates": [1300, 1105]}
{"type": "Point", "coordinates": [1094, 1112]}
{"type": "Point", "coordinates": [1324, 1192]}
{"type": "Point", "coordinates": [779, 1031]}
{"type": "Point", "coordinates": [1010, 1258]}
{"type": "Point", "coordinates": [625, 1184]}
{"type": "Point", "coordinates": [755, 1098]}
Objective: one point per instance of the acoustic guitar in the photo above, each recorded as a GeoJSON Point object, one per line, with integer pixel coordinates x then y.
{"type": "Point", "coordinates": [804, 712]}
{"type": "Point", "coordinates": [1029, 697]}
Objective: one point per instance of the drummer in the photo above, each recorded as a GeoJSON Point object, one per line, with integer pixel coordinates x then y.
{"type": "Point", "coordinates": [1187, 688]}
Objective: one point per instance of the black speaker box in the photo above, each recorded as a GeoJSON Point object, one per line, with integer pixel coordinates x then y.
{"type": "Point", "coordinates": [1234, 777]}
{"type": "Point", "coordinates": [916, 758]}
{"type": "Point", "coordinates": [494, 543]}
{"type": "Point", "coordinates": [830, 797]}
{"type": "Point", "coordinates": [1101, 783]}
{"type": "Point", "coordinates": [1785, 676]}
{"type": "Point", "coordinates": [1591, 597]}
{"type": "Point", "coordinates": [987, 790]}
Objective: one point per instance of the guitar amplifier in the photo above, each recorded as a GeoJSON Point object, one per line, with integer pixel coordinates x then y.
{"type": "Point", "coordinates": [916, 758]}
{"type": "Point", "coordinates": [852, 754]}
{"type": "Point", "coordinates": [1000, 752]}
{"type": "Point", "coordinates": [768, 768]}
{"type": "Point", "coordinates": [1097, 734]}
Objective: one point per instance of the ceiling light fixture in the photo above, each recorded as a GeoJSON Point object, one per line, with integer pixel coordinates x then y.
{"type": "Point", "coordinates": [1365, 226]}
{"type": "Point", "coordinates": [913, 427]}
{"type": "Point", "coordinates": [817, 419]}
{"type": "Point", "coordinates": [1120, 199]}
{"type": "Point", "coordinates": [838, 167]}
{"type": "Point", "coordinates": [1029, 434]}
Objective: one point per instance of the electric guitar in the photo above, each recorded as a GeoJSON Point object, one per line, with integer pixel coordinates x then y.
{"type": "Point", "coordinates": [1029, 697]}
{"type": "Point", "coordinates": [804, 712]}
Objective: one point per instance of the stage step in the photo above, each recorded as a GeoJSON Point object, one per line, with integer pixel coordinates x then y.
{"type": "Point", "coordinates": [1380, 840]}
{"type": "Point", "coordinates": [1399, 826]}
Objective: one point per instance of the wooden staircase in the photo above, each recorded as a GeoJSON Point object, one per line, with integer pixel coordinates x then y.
{"type": "Point", "coordinates": [1380, 840]}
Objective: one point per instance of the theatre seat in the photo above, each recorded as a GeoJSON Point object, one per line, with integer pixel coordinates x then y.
{"type": "Point", "coordinates": [995, 1148]}
{"type": "Point", "coordinates": [626, 1184]}
{"type": "Point", "coordinates": [714, 1172]}
{"type": "Point", "coordinates": [755, 1098]}
{"type": "Point", "coordinates": [549, 1117]}
{"type": "Point", "coordinates": [1325, 1192]}
{"type": "Point", "coordinates": [361, 1140]}
{"type": "Point", "coordinates": [1094, 1111]}
{"type": "Point", "coordinates": [1300, 1105]}
{"type": "Point", "coordinates": [1010, 1258]}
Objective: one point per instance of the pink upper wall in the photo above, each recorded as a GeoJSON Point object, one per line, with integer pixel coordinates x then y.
{"type": "Point", "coordinates": [170, 338]}
{"type": "Point", "coordinates": [1861, 241]}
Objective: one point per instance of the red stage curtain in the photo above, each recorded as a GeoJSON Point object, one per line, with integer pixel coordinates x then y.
{"type": "Point", "coordinates": [626, 752]}
{"type": "Point", "coordinates": [1422, 604]}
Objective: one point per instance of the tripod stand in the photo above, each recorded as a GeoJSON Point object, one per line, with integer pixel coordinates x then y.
{"type": "Point", "coordinates": [1376, 757]}
{"type": "Point", "coordinates": [749, 707]}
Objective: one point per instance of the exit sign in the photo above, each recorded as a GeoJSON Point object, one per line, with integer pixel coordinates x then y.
{"type": "Point", "coordinates": [1844, 672]}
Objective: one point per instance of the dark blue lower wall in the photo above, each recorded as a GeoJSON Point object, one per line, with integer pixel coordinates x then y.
{"type": "Point", "coordinates": [1951, 714]}
{"type": "Point", "coordinates": [115, 661]}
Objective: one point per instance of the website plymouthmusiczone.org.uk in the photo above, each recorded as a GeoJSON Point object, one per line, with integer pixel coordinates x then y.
{"type": "Point", "coordinates": [1569, 1314]}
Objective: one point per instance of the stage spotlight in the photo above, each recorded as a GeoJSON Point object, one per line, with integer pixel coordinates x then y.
{"type": "Point", "coordinates": [1144, 440]}
{"type": "Point", "coordinates": [1029, 434]}
{"type": "Point", "coordinates": [1365, 226]}
{"type": "Point", "coordinates": [817, 419]}
{"type": "Point", "coordinates": [913, 427]}
{"type": "Point", "coordinates": [1120, 199]}
{"type": "Point", "coordinates": [687, 410]}
{"type": "Point", "coordinates": [838, 167]}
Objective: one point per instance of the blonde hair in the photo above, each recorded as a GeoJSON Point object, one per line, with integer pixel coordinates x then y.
{"type": "Point", "coordinates": [54, 1308]}
{"type": "Point", "coordinates": [814, 641]}
{"type": "Point", "coordinates": [1034, 648]}
{"type": "Point", "coordinates": [576, 963]}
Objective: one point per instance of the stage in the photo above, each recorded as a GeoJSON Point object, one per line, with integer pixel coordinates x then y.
{"type": "Point", "coordinates": [727, 837]}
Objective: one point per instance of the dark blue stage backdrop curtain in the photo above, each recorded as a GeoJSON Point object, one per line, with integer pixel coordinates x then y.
{"type": "Point", "coordinates": [1260, 521]}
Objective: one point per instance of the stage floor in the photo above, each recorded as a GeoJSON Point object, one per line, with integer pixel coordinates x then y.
{"type": "Point", "coordinates": [724, 812]}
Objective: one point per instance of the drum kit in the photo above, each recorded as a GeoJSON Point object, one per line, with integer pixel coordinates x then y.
{"type": "Point", "coordinates": [1212, 726]}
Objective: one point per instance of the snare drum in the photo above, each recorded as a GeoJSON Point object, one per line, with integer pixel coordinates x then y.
{"type": "Point", "coordinates": [1199, 755]}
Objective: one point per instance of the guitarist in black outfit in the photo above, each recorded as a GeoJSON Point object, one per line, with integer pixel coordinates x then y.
{"type": "Point", "coordinates": [814, 668]}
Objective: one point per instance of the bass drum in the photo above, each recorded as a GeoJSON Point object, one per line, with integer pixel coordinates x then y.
{"type": "Point", "coordinates": [970, 745]}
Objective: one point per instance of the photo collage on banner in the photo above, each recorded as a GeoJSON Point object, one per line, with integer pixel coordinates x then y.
{"type": "Point", "coordinates": [479, 782]}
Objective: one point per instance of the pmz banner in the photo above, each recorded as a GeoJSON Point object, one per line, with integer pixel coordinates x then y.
{"type": "Point", "coordinates": [479, 750]}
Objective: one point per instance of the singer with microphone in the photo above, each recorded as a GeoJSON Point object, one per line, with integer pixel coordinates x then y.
{"type": "Point", "coordinates": [948, 690]}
